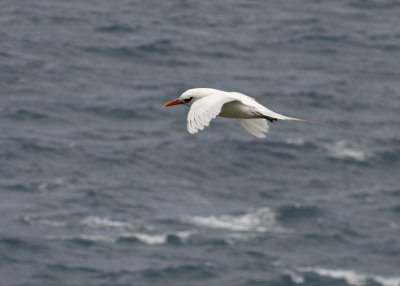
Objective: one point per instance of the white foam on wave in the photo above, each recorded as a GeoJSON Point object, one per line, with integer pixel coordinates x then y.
{"type": "Point", "coordinates": [352, 277]}
{"type": "Point", "coordinates": [296, 277]}
{"type": "Point", "coordinates": [97, 237]}
{"type": "Point", "coordinates": [150, 239]}
{"type": "Point", "coordinates": [98, 222]}
{"type": "Point", "coordinates": [295, 141]}
{"type": "Point", "coordinates": [154, 239]}
{"type": "Point", "coordinates": [87, 237]}
{"type": "Point", "coordinates": [235, 237]}
{"type": "Point", "coordinates": [52, 223]}
{"type": "Point", "coordinates": [344, 150]}
{"type": "Point", "coordinates": [260, 220]}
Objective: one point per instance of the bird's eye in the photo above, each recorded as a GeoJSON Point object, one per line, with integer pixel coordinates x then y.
{"type": "Point", "coordinates": [186, 100]}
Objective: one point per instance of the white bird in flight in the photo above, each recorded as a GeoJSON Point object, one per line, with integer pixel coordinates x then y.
{"type": "Point", "coordinates": [207, 103]}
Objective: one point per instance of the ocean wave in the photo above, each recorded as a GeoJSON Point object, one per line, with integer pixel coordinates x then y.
{"type": "Point", "coordinates": [14, 242]}
{"type": "Point", "coordinates": [234, 238]}
{"type": "Point", "coordinates": [298, 211]}
{"type": "Point", "coordinates": [34, 220]}
{"type": "Point", "coordinates": [161, 47]}
{"type": "Point", "coordinates": [374, 5]}
{"type": "Point", "coordinates": [23, 114]}
{"type": "Point", "coordinates": [117, 112]}
{"type": "Point", "coordinates": [156, 239]}
{"type": "Point", "coordinates": [295, 141]}
{"type": "Point", "coordinates": [351, 277]}
{"type": "Point", "coordinates": [41, 186]}
{"type": "Point", "coordinates": [349, 151]}
{"type": "Point", "coordinates": [345, 150]}
{"type": "Point", "coordinates": [98, 222]}
{"type": "Point", "coordinates": [158, 46]}
{"type": "Point", "coordinates": [260, 220]}
{"type": "Point", "coordinates": [146, 238]}
{"type": "Point", "coordinates": [391, 155]}
{"type": "Point", "coordinates": [84, 238]}
{"type": "Point", "coordinates": [36, 145]}
{"type": "Point", "coordinates": [114, 28]}
{"type": "Point", "coordinates": [185, 271]}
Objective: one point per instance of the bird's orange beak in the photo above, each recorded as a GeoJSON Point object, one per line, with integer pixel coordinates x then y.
{"type": "Point", "coordinates": [173, 102]}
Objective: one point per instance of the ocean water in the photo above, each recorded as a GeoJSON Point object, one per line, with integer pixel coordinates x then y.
{"type": "Point", "coordinates": [100, 185]}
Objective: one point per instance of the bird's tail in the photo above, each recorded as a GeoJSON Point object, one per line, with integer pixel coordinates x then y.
{"type": "Point", "coordinates": [315, 122]}
{"type": "Point", "coordinates": [273, 116]}
{"type": "Point", "coordinates": [276, 116]}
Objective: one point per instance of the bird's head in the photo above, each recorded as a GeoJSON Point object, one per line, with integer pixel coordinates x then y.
{"type": "Point", "coordinates": [190, 96]}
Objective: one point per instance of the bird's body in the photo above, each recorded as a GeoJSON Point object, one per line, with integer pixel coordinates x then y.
{"type": "Point", "coordinates": [236, 109]}
{"type": "Point", "coordinates": [207, 103]}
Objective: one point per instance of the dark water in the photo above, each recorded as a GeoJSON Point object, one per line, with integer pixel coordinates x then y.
{"type": "Point", "coordinates": [101, 186]}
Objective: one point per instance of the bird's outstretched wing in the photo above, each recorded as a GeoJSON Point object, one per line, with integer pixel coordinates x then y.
{"type": "Point", "coordinates": [205, 109]}
{"type": "Point", "coordinates": [257, 127]}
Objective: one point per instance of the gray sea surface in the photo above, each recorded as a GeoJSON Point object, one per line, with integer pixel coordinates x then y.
{"type": "Point", "coordinates": [100, 185]}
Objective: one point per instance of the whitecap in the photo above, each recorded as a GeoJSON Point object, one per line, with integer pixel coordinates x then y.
{"type": "Point", "coordinates": [151, 239]}
{"type": "Point", "coordinates": [87, 237]}
{"type": "Point", "coordinates": [352, 277]}
{"type": "Point", "coordinates": [98, 222]}
{"type": "Point", "coordinates": [155, 239]}
{"type": "Point", "coordinates": [52, 223]}
{"type": "Point", "coordinates": [233, 238]}
{"type": "Point", "coordinates": [97, 238]}
{"type": "Point", "coordinates": [260, 220]}
{"type": "Point", "coordinates": [344, 150]}
{"type": "Point", "coordinates": [294, 276]}
{"type": "Point", "coordinates": [295, 141]}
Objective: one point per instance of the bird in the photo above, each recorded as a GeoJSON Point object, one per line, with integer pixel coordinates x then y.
{"type": "Point", "coordinates": [207, 103]}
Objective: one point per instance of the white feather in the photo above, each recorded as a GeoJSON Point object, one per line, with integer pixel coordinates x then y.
{"type": "Point", "coordinates": [204, 110]}
{"type": "Point", "coordinates": [257, 107]}
{"type": "Point", "coordinates": [256, 127]}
